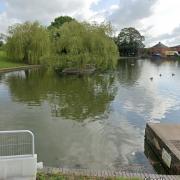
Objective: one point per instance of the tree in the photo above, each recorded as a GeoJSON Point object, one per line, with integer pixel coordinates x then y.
{"type": "Point", "coordinates": [129, 41]}
{"type": "Point", "coordinates": [28, 43]}
{"type": "Point", "coordinates": [1, 43]}
{"type": "Point", "coordinates": [59, 21]}
{"type": "Point", "coordinates": [2, 39]}
{"type": "Point", "coordinates": [81, 44]}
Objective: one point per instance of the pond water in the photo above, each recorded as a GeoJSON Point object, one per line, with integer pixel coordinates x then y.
{"type": "Point", "coordinates": [94, 122]}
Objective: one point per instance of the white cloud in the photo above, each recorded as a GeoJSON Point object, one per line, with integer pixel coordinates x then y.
{"type": "Point", "coordinates": [44, 10]}
{"type": "Point", "coordinates": [130, 12]}
{"type": "Point", "coordinates": [171, 38]}
{"type": "Point", "coordinates": [5, 22]}
{"type": "Point", "coordinates": [114, 7]}
{"type": "Point", "coordinates": [156, 19]}
{"type": "Point", "coordinates": [164, 20]}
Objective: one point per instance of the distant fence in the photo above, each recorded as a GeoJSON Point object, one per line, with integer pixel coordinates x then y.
{"type": "Point", "coordinates": [16, 143]}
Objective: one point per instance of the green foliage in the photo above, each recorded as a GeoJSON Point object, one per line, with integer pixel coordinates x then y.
{"type": "Point", "coordinates": [28, 43]}
{"type": "Point", "coordinates": [2, 39]}
{"type": "Point", "coordinates": [1, 44]}
{"type": "Point", "coordinates": [78, 44]}
{"type": "Point", "coordinates": [58, 22]}
{"type": "Point", "coordinates": [129, 41]}
{"type": "Point", "coordinates": [66, 45]}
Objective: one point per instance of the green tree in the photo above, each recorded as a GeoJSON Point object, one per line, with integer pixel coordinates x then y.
{"type": "Point", "coordinates": [59, 21]}
{"type": "Point", "coordinates": [28, 43]}
{"type": "Point", "coordinates": [129, 41]}
{"type": "Point", "coordinates": [79, 44]}
{"type": "Point", "coordinates": [2, 39]}
{"type": "Point", "coordinates": [1, 43]}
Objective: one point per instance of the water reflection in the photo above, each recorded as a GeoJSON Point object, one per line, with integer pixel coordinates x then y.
{"type": "Point", "coordinates": [128, 71]}
{"type": "Point", "coordinates": [92, 122]}
{"type": "Point", "coordinates": [69, 97]}
{"type": "Point", "coordinates": [26, 86]}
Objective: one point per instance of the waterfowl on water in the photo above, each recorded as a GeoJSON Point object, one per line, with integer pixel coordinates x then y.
{"type": "Point", "coordinates": [151, 78]}
{"type": "Point", "coordinates": [173, 74]}
{"type": "Point", "coordinates": [160, 75]}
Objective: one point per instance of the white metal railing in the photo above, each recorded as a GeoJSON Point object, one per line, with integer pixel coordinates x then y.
{"type": "Point", "coordinates": [16, 143]}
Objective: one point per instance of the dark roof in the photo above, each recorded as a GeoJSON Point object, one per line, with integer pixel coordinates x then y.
{"type": "Point", "coordinates": [176, 46]}
{"type": "Point", "coordinates": [159, 45]}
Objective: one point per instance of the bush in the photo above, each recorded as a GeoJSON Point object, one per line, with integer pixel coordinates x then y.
{"type": "Point", "coordinates": [28, 43]}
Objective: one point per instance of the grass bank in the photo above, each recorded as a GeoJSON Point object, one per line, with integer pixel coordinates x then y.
{"type": "Point", "coordinates": [42, 176]}
{"type": "Point", "coordinates": [6, 63]}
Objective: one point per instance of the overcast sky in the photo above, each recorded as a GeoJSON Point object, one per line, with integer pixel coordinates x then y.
{"type": "Point", "coordinates": [157, 20]}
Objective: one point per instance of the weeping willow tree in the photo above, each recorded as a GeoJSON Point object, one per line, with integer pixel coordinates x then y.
{"type": "Point", "coordinates": [28, 43]}
{"type": "Point", "coordinates": [76, 45]}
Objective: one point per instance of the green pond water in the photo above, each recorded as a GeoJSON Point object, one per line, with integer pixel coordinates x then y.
{"type": "Point", "coordinates": [94, 122]}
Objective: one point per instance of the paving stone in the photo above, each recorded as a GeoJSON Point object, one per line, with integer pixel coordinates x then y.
{"type": "Point", "coordinates": [105, 174]}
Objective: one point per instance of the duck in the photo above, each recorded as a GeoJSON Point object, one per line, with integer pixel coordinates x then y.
{"type": "Point", "coordinates": [173, 74]}
{"type": "Point", "coordinates": [160, 75]}
{"type": "Point", "coordinates": [151, 78]}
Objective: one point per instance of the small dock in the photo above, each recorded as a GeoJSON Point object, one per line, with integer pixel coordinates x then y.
{"type": "Point", "coordinates": [164, 140]}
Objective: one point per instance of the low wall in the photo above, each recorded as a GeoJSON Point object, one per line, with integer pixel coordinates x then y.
{"type": "Point", "coordinates": [20, 167]}
{"type": "Point", "coordinates": [164, 141]}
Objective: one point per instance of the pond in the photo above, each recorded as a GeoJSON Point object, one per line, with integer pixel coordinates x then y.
{"type": "Point", "coordinates": [94, 122]}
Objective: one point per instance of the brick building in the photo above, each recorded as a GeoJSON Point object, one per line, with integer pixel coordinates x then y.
{"type": "Point", "coordinates": [158, 49]}
{"type": "Point", "coordinates": [176, 48]}
{"type": "Point", "coordinates": [161, 49]}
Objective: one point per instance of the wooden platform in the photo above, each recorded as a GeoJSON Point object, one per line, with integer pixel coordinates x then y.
{"type": "Point", "coordinates": [164, 139]}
